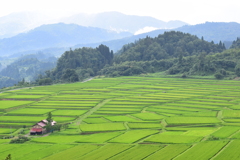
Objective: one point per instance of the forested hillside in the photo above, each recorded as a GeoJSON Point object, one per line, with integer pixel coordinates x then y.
{"type": "Point", "coordinates": [172, 52]}
{"type": "Point", "coordinates": [168, 45]}
{"type": "Point", "coordinates": [80, 63]}
{"type": "Point", "coordinates": [176, 53]}
{"type": "Point", "coordinates": [236, 43]}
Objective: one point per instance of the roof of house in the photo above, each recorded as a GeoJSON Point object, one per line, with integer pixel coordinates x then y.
{"type": "Point", "coordinates": [41, 124]}
{"type": "Point", "coordinates": [44, 122]}
{"type": "Point", "coordinates": [36, 130]}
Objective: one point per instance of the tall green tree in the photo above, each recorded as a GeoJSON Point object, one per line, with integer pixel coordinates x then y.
{"type": "Point", "coordinates": [8, 157]}
{"type": "Point", "coordinates": [49, 117]}
{"type": "Point", "coordinates": [49, 126]}
{"type": "Point", "coordinates": [237, 69]}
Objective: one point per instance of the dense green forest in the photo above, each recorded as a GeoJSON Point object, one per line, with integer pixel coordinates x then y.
{"type": "Point", "coordinates": [75, 65]}
{"type": "Point", "coordinates": [236, 44]}
{"type": "Point", "coordinates": [172, 52]}
{"type": "Point", "coordinates": [168, 45]}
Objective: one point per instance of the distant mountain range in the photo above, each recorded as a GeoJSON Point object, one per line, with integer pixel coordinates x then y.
{"type": "Point", "coordinates": [56, 35]}
{"type": "Point", "coordinates": [210, 31]}
{"type": "Point", "coordinates": [15, 23]}
{"type": "Point", "coordinates": [121, 22]}
{"type": "Point", "coordinates": [110, 29]}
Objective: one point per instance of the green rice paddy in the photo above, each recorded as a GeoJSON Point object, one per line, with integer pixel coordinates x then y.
{"type": "Point", "coordinates": [126, 118]}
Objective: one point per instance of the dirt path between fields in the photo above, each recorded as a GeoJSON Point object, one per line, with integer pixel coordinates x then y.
{"type": "Point", "coordinates": [28, 135]}
{"type": "Point", "coordinates": [16, 89]}
{"type": "Point", "coordinates": [89, 79]}
{"type": "Point", "coordinates": [78, 122]}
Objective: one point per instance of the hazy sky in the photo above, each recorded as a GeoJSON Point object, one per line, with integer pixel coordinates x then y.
{"type": "Point", "coordinates": [190, 11]}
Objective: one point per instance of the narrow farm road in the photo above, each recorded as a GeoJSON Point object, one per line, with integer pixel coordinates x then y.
{"type": "Point", "coordinates": [44, 135]}
{"type": "Point", "coordinates": [16, 89]}
{"type": "Point", "coordinates": [78, 121]}
{"type": "Point", "coordinates": [89, 79]}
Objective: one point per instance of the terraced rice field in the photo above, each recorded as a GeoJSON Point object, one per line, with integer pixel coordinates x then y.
{"type": "Point", "coordinates": [126, 118]}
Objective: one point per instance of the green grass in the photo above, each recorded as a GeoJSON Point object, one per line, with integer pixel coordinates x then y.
{"type": "Point", "coordinates": [6, 130]}
{"type": "Point", "coordinates": [62, 139]}
{"type": "Point", "coordinates": [202, 133]}
{"type": "Point", "coordinates": [112, 112]}
{"type": "Point", "coordinates": [66, 105]}
{"type": "Point", "coordinates": [22, 149]}
{"type": "Point", "coordinates": [45, 152]}
{"type": "Point", "coordinates": [161, 138]}
{"type": "Point", "coordinates": [148, 116]}
{"type": "Point", "coordinates": [202, 114]}
{"type": "Point", "coordinates": [168, 152]}
{"type": "Point", "coordinates": [73, 153]}
{"type": "Point", "coordinates": [204, 150]}
{"type": "Point", "coordinates": [95, 120]}
{"type": "Point", "coordinates": [30, 111]}
{"type": "Point", "coordinates": [25, 96]}
{"type": "Point", "coordinates": [231, 113]}
{"type": "Point", "coordinates": [121, 119]}
{"type": "Point", "coordinates": [133, 136]}
{"type": "Point", "coordinates": [102, 127]}
{"type": "Point", "coordinates": [98, 138]}
{"type": "Point", "coordinates": [144, 125]}
{"type": "Point", "coordinates": [233, 120]}
{"type": "Point", "coordinates": [16, 125]}
{"type": "Point", "coordinates": [89, 138]}
{"type": "Point", "coordinates": [225, 131]}
{"type": "Point", "coordinates": [137, 152]}
{"type": "Point", "coordinates": [2, 141]}
{"type": "Point", "coordinates": [191, 120]}
{"type": "Point", "coordinates": [9, 104]}
{"type": "Point", "coordinates": [69, 112]}
{"type": "Point", "coordinates": [230, 152]}
{"type": "Point", "coordinates": [121, 109]}
{"type": "Point", "coordinates": [106, 151]}
{"type": "Point", "coordinates": [128, 118]}
{"type": "Point", "coordinates": [62, 107]}
{"type": "Point", "coordinates": [33, 119]}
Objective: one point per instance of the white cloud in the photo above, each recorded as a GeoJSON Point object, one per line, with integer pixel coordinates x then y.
{"type": "Point", "coordinates": [145, 30]}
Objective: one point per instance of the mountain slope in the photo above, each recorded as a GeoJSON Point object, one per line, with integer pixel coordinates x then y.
{"type": "Point", "coordinates": [216, 31]}
{"type": "Point", "coordinates": [168, 45]}
{"type": "Point", "coordinates": [56, 35]}
{"type": "Point", "coordinates": [27, 67]}
{"type": "Point", "coordinates": [120, 22]}
{"type": "Point", "coordinates": [15, 23]}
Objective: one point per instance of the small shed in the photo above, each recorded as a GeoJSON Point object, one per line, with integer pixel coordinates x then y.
{"type": "Point", "coordinates": [39, 129]}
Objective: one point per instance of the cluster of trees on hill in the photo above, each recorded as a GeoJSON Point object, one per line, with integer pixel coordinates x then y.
{"type": "Point", "coordinates": [236, 43]}
{"type": "Point", "coordinates": [221, 64]}
{"type": "Point", "coordinates": [168, 45]}
{"type": "Point", "coordinates": [75, 65]}
{"type": "Point", "coordinates": [173, 52]}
